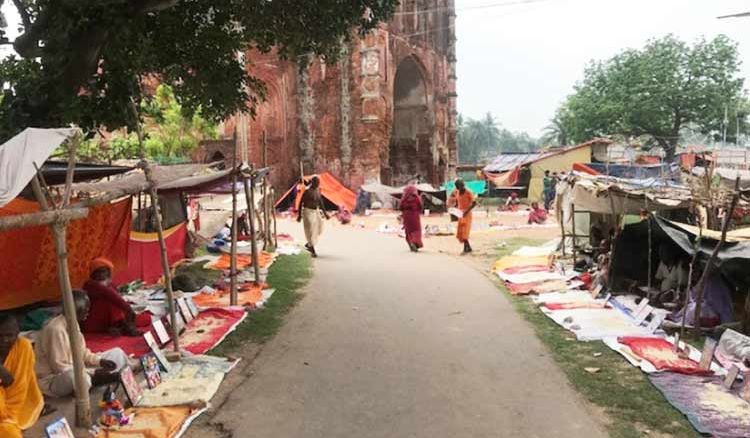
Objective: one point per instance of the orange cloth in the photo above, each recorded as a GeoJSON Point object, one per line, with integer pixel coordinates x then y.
{"type": "Point", "coordinates": [151, 423]}
{"type": "Point", "coordinates": [100, 262]}
{"type": "Point", "coordinates": [22, 402]}
{"type": "Point", "coordinates": [515, 261]}
{"type": "Point", "coordinates": [463, 202]}
{"type": "Point", "coordinates": [28, 272]}
{"type": "Point", "coordinates": [330, 188]}
{"type": "Point", "coordinates": [243, 261]}
{"type": "Point", "coordinates": [249, 295]}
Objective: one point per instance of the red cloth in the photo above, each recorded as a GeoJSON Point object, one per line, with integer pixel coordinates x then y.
{"type": "Point", "coordinates": [28, 264]}
{"type": "Point", "coordinates": [661, 354]}
{"type": "Point", "coordinates": [411, 211]}
{"type": "Point", "coordinates": [108, 308]}
{"type": "Point", "coordinates": [144, 254]}
{"type": "Point", "coordinates": [521, 288]}
{"type": "Point", "coordinates": [570, 306]}
{"type": "Point", "coordinates": [209, 329]}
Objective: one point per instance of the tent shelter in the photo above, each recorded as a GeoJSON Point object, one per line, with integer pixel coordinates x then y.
{"type": "Point", "coordinates": [630, 259]}
{"type": "Point", "coordinates": [334, 194]}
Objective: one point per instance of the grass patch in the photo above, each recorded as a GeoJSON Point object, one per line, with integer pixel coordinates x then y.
{"type": "Point", "coordinates": [288, 275]}
{"type": "Point", "coordinates": [622, 391]}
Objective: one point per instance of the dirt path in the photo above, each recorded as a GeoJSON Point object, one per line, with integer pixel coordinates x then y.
{"type": "Point", "coordinates": [392, 344]}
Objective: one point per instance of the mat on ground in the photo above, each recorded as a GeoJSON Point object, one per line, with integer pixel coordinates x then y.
{"type": "Point", "coordinates": [191, 380]}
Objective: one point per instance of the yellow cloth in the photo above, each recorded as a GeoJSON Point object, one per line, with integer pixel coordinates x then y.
{"type": "Point", "coordinates": [514, 261]}
{"type": "Point", "coordinates": [22, 402]}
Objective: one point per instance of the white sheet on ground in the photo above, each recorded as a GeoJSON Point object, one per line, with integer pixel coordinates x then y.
{"type": "Point", "coordinates": [534, 251]}
{"type": "Point", "coordinates": [571, 296]}
{"type": "Point", "coordinates": [595, 324]}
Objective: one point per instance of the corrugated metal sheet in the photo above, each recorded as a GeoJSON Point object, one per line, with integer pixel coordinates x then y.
{"type": "Point", "coordinates": [506, 162]}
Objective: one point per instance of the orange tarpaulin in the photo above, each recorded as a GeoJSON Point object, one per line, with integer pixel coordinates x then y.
{"type": "Point", "coordinates": [243, 261]}
{"type": "Point", "coordinates": [249, 295]}
{"type": "Point", "coordinates": [330, 188]}
{"type": "Point", "coordinates": [28, 262]}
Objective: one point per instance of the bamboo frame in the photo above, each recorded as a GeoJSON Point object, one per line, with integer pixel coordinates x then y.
{"type": "Point", "coordinates": [250, 199]}
{"type": "Point", "coordinates": [233, 249]}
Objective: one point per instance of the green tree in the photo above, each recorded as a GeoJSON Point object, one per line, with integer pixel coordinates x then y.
{"type": "Point", "coordinates": [656, 92]}
{"type": "Point", "coordinates": [556, 133]}
{"type": "Point", "coordinates": [480, 140]}
{"type": "Point", "coordinates": [82, 61]}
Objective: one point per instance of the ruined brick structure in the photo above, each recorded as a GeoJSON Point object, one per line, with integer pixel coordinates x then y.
{"type": "Point", "coordinates": [386, 111]}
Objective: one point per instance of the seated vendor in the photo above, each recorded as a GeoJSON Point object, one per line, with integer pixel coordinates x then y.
{"type": "Point", "coordinates": [671, 272]}
{"type": "Point", "coordinates": [21, 400]}
{"type": "Point", "coordinates": [537, 215]}
{"type": "Point", "coordinates": [110, 313]}
{"type": "Point", "coordinates": [54, 357]}
{"type": "Point", "coordinates": [511, 204]}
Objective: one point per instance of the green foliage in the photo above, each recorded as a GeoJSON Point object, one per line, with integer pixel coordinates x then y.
{"type": "Point", "coordinates": [479, 140]}
{"type": "Point", "coordinates": [82, 61]}
{"type": "Point", "coordinates": [656, 92]}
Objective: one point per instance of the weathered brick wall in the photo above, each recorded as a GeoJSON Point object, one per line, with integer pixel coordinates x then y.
{"type": "Point", "coordinates": [339, 117]}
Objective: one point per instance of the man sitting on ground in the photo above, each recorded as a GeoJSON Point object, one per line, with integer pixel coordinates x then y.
{"type": "Point", "coordinates": [21, 400]}
{"type": "Point", "coordinates": [537, 215]}
{"type": "Point", "coordinates": [54, 366]}
{"type": "Point", "coordinates": [110, 313]}
{"type": "Point", "coordinates": [512, 203]}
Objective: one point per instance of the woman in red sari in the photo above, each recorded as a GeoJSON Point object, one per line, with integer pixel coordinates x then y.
{"type": "Point", "coordinates": [411, 211]}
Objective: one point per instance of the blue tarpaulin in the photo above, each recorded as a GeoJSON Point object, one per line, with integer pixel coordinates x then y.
{"type": "Point", "coordinates": [476, 187]}
{"type": "Point", "coordinates": [670, 171]}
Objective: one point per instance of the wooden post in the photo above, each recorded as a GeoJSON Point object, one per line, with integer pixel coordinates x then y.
{"type": "Point", "coordinates": [273, 212]}
{"type": "Point", "coordinates": [250, 199]}
{"type": "Point", "coordinates": [650, 248]}
{"type": "Point", "coordinates": [159, 231]}
{"type": "Point", "coordinates": [268, 242]}
{"type": "Point", "coordinates": [575, 234]}
{"type": "Point", "coordinates": [696, 251]}
{"type": "Point", "coordinates": [562, 225]}
{"type": "Point", "coordinates": [233, 249]}
{"type": "Point", "coordinates": [701, 286]}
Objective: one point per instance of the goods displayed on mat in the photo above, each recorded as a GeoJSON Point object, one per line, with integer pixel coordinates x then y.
{"type": "Point", "coordinates": [193, 379]}
{"type": "Point", "coordinates": [130, 384]}
{"type": "Point", "coordinates": [662, 355]}
{"type": "Point", "coordinates": [151, 369]}
{"type": "Point", "coordinates": [156, 351]}
{"type": "Point", "coordinates": [162, 422]}
{"type": "Point", "coordinates": [59, 428]}
{"type": "Point", "coordinates": [712, 409]}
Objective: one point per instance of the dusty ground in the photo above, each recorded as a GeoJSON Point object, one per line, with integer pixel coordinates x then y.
{"type": "Point", "coordinates": [392, 344]}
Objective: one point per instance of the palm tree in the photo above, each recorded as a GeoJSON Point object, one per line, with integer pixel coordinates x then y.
{"type": "Point", "coordinates": [556, 132]}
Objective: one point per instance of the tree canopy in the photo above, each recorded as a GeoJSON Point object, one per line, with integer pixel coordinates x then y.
{"type": "Point", "coordinates": [657, 92]}
{"type": "Point", "coordinates": [479, 140]}
{"type": "Point", "coordinates": [82, 61]}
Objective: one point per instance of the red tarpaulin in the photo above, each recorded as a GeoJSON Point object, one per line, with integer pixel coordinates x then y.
{"type": "Point", "coordinates": [28, 262]}
{"type": "Point", "coordinates": [660, 353]}
{"type": "Point", "coordinates": [580, 167]}
{"type": "Point", "coordinates": [144, 254]}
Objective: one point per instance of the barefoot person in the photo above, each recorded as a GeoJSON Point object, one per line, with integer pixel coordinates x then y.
{"type": "Point", "coordinates": [311, 213]}
{"type": "Point", "coordinates": [110, 313]}
{"type": "Point", "coordinates": [54, 357]}
{"type": "Point", "coordinates": [411, 210]}
{"type": "Point", "coordinates": [464, 200]}
{"type": "Point", "coordinates": [21, 400]}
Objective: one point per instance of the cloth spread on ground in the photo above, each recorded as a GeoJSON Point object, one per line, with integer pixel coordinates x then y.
{"type": "Point", "coordinates": [733, 349]}
{"type": "Point", "coordinates": [191, 380]}
{"type": "Point", "coordinates": [248, 295]}
{"type": "Point", "coordinates": [524, 269]}
{"type": "Point", "coordinates": [21, 402]}
{"type": "Point", "coordinates": [144, 254]}
{"type": "Point", "coordinates": [710, 408]}
{"type": "Point", "coordinates": [530, 277]}
{"type": "Point", "coordinates": [569, 306]}
{"type": "Point", "coordinates": [595, 324]}
{"type": "Point", "coordinates": [203, 333]}
{"type": "Point", "coordinates": [534, 251]}
{"type": "Point", "coordinates": [537, 287]}
{"type": "Point", "coordinates": [517, 261]}
{"type": "Point", "coordinates": [571, 296]}
{"type": "Point", "coordinates": [19, 154]}
{"type": "Point", "coordinates": [163, 422]}
{"type": "Point", "coordinates": [209, 329]}
{"type": "Point", "coordinates": [28, 273]}
{"type": "Point", "coordinates": [660, 353]}
{"type": "Point", "coordinates": [243, 261]}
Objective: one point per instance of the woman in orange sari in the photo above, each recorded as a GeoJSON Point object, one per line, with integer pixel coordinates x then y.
{"type": "Point", "coordinates": [21, 401]}
{"type": "Point", "coordinates": [464, 200]}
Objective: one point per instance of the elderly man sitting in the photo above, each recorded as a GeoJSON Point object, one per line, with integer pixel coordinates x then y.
{"type": "Point", "coordinates": [21, 401]}
{"type": "Point", "coordinates": [54, 366]}
{"type": "Point", "coordinates": [110, 313]}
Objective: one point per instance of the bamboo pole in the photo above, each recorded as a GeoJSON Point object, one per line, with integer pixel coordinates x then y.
{"type": "Point", "coordinates": [233, 249]}
{"type": "Point", "coordinates": [250, 199]}
{"type": "Point", "coordinates": [159, 231]}
{"type": "Point", "coordinates": [275, 229]}
{"type": "Point", "coordinates": [575, 232]}
{"type": "Point", "coordinates": [42, 218]}
{"type": "Point", "coordinates": [267, 242]}
{"type": "Point", "coordinates": [696, 251]}
{"type": "Point", "coordinates": [701, 286]}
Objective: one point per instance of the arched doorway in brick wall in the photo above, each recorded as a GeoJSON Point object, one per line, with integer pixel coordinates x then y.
{"type": "Point", "coordinates": [410, 148]}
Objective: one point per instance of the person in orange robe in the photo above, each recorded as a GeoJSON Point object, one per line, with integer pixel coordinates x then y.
{"type": "Point", "coordinates": [110, 313]}
{"type": "Point", "coordinates": [464, 200]}
{"type": "Point", "coordinates": [21, 400]}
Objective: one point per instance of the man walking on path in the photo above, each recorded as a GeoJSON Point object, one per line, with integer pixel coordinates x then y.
{"type": "Point", "coordinates": [311, 213]}
{"type": "Point", "coordinates": [464, 200]}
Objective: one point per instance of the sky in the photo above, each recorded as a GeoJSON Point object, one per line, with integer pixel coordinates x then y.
{"type": "Point", "coordinates": [520, 60]}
